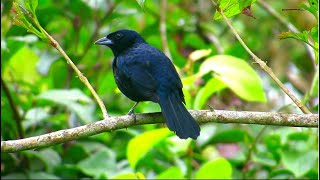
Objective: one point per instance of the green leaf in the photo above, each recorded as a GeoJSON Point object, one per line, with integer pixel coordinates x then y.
{"type": "Point", "coordinates": [143, 143]}
{"type": "Point", "coordinates": [281, 174]}
{"type": "Point", "coordinates": [34, 116]}
{"type": "Point", "coordinates": [74, 99]}
{"type": "Point", "coordinates": [219, 168]}
{"type": "Point", "coordinates": [130, 176]}
{"type": "Point", "coordinates": [212, 86]}
{"type": "Point", "coordinates": [23, 65]}
{"type": "Point", "coordinates": [232, 7]}
{"type": "Point", "coordinates": [299, 163]}
{"type": "Point", "coordinates": [237, 75]}
{"type": "Point", "coordinates": [198, 54]}
{"type": "Point", "coordinates": [15, 176]}
{"type": "Point", "coordinates": [31, 5]}
{"type": "Point", "coordinates": [101, 163]}
{"type": "Point", "coordinates": [171, 173]}
{"type": "Point", "coordinates": [229, 136]}
{"type": "Point", "coordinates": [50, 158]}
{"type": "Point", "coordinates": [303, 36]}
{"type": "Point", "coordinates": [41, 175]}
{"type": "Point", "coordinates": [141, 3]}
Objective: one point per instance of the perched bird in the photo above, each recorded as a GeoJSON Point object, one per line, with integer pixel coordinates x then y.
{"type": "Point", "coordinates": [144, 73]}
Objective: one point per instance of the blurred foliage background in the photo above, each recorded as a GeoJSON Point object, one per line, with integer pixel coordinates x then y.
{"type": "Point", "coordinates": [40, 93]}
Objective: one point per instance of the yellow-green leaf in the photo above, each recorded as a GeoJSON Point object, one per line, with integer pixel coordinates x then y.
{"type": "Point", "coordinates": [237, 74]}
{"type": "Point", "coordinates": [140, 145]}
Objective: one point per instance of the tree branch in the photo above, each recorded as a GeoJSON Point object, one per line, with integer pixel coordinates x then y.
{"type": "Point", "coordinates": [202, 116]}
{"type": "Point", "coordinates": [14, 108]}
{"type": "Point", "coordinates": [265, 67]}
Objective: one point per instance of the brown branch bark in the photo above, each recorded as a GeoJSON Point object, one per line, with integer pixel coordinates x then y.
{"type": "Point", "coordinates": [202, 116]}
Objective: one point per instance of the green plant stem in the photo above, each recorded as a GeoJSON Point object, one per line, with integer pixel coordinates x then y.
{"type": "Point", "coordinates": [251, 149]}
{"type": "Point", "coordinates": [14, 109]}
{"type": "Point", "coordinates": [56, 45]}
{"type": "Point", "coordinates": [266, 68]}
{"type": "Point", "coordinates": [121, 122]}
{"type": "Point", "coordinates": [163, 29]}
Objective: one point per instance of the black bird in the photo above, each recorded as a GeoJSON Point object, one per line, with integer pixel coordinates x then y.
{"type": "Point", "coordinates": [144, 73]}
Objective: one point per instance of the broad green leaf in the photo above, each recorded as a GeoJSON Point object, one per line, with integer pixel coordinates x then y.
{"type": "Point", "coordinates": [130, 176]}
{"type": "Point", "coordinates": [198, 54]}
{"type": "Point", "coordinates": [212, 86]}
{"type": "Point", "coordinates": [15, 176]}
{"type": "Point", "coordinates": [23, 65]}
{"type": "Point", "coordinates": [236, 74]}
{"type": "Point", "coordinates": [299, 163]}
{"type": "Point", "coordinates": [171, 173]}
{"type": "Point", "coordinates": [41, 175]}
{"type": "Point", "coordinates": [264, 158]}
{"type": "Point", "coordinates": [140, 145]}
{"type": "Point", "coordinates": [230, 136]}
{"type": "Point", "coordinates": [74, 99]}
{"type": "Point", "coordinates": [232, 7]}
{"type": "Point", "coordinates": [50, 158]}
{"type": "Point", "coordinates": [219, 168]}
{"type": "Point", "coordinates": [34, 116]}
{"type": "Point", "coordinates": [103, 162]}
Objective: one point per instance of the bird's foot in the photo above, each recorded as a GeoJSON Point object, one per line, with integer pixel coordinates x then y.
{"type": "Point", "coordinates": [131, 113]}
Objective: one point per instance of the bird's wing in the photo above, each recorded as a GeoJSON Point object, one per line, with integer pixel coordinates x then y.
{"type": "Point", "coordinates": [139, 74]}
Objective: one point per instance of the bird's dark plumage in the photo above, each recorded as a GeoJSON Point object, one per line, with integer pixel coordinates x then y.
{"type": "Point", "coordinates": [144, 73]}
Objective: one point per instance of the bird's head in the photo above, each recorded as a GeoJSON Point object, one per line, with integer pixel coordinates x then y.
{"type": "Point", "coordinates": [120, 40]}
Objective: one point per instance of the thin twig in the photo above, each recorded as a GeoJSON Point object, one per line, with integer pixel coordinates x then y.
{"type": "Point", "coordinates": [266, 68]}
{"type": "Point", "coordinates": [56, 45]}
{"type": "Point", "coordinates": [286, 23]}
{"type": "Point", "coordinates": [14, 108]}
{"type": "Point", "coordinates": [202, 116]}
{"type": "Point", "coordinates": [163, 29]}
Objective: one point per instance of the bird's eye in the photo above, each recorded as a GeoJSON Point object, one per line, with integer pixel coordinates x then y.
{"type": "Point", "coordinates": [118, 36]}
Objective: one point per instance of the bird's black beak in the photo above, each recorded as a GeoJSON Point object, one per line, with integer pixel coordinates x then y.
{"type": "Point", "coordinates": [104, 41]}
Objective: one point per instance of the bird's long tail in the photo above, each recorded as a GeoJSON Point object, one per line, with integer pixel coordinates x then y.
{"type": "Point", "coordinates": [177, 117]}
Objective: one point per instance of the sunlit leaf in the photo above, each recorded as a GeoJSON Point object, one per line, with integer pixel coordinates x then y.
{"type": "Point", "coordinates": [130, 176]}
{"type": "Point", "coordinates": [23, 65]}
{"type": "Point", "coordinates": [212, 86]}
{"type": "Point", "coordinates": [141, 3]}
{"type": "Point", "coordinates": [299, 36]}
{"type": "Point", "coordinates": [232, 7]}
{"type": "Point", "coordinates": [171, 173]}
{"type": "Point", "coordinates": [198, 54]}
{"type": "Point", "coordinates": [219, 168]}
{"type": "Point", "coordinates": [143, 143]}
{"type": "Point", "coordinates": [236, 74]}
